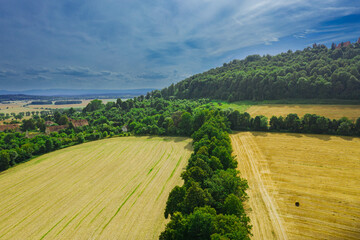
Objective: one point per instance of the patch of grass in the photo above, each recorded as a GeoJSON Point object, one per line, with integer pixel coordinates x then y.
{"type": "Point", "coordinates": [223, 105]}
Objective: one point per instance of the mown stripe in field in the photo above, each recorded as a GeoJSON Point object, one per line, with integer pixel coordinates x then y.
{"type": "Point", "coordinates": [143, 190]}
{"type": "Point", "coordinates": [160, 160]}
{"type": "Point", "coordinates": [118, 210]}
{"type": "Point", "coordinates": [167, 180]}
{"type": "Point", "coordinates": [52, 228]}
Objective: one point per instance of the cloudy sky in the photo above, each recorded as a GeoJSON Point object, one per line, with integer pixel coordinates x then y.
{"type": "Point", "coordinates": [118, 44]}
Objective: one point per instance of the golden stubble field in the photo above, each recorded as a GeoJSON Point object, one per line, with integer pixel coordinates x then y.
{"type": "Point", "coordinates": [109, 189]}
{"type": "Point", "coordinates": [321, 173]}
{"type": "Point", "coordinates": [330, 111]}
{"type": "Point", "coordinates": [19, 106]}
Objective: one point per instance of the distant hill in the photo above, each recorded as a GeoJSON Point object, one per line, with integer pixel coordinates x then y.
{"type": "Point", "coordinates": [315, 72]}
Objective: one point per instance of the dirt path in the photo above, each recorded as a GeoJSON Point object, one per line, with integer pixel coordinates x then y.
{"type": "Point", "coordinates": [266, 221]}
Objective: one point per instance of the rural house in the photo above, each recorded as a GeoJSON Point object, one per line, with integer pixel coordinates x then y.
{"type": "Point", "coordinates": [9, 127]}
{"type": "Point", "coordinates": [75, 123]}
{"type": "Point", "coordinates": [51, 129]}
{"type": "Point", "coordinates": [79, 123]}
{"type": "Point", "coordinates": [49, 123]}
{"type": "Point", "coordinates": [124, 128]}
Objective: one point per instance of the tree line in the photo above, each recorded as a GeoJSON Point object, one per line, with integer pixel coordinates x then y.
{"type": "Point", "coordinates": [210, 203]}
{"type": "Point", "coordinates": [315, 72]}
{"type": "Point", "coordinates": [140, 116]}
{"type": "Point", "coordinates": [309, 123]}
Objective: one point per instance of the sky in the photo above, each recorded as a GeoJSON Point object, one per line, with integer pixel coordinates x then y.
{"type": "Point", "coordinates": [117, 44]}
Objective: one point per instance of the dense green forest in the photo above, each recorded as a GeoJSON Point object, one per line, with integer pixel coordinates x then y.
{"type": "Point", "coordinates": [315, 72]}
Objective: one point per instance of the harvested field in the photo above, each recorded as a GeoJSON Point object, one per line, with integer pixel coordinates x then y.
{"type": "Point", "coordinates": [21, 106]}
{"type": "Point", "coordinates": [330, 111]}
{"type": "Point", "coordinates": [319, 173]}
{"type": "Point", "coordinates": [109, 189]}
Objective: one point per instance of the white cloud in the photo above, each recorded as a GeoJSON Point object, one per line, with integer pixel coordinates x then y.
{"type": "Point", "coordinates": [131, 40]}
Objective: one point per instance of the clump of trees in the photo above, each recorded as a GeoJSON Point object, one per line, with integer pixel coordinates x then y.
{"type": "Point", "coordinates": [316, 72]}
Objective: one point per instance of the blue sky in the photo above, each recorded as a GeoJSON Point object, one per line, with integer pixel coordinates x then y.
{"type": "Point", "coordinates": [108, 44]}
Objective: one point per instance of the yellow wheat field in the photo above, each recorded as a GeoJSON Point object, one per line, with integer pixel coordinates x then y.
{"type": "Point", "coordinates": [330, 111]}
{"type": "Point", "coordinates": [321, 173]}
{"type": "Point", "coordinates": [110, 189]}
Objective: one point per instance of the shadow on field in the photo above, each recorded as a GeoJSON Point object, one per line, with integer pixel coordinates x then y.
{"type": "Point", "coordinates": [261, 134]}
{"type": "Point", "coordinates": [323, 137]}
{"type": "Point", "coordinates": [171, 139]}
{"type": "Point", "coordinates": [300, 135]}
{"type": "Point", "coordinates": [320, 137]}
{"type": "Point", "coordinates": [347, 138]}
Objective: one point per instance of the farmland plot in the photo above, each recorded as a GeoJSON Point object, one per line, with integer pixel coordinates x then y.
{"type": "Point", "coordinates": [110, 189]}
{"type": "Point", "coordinates": [330, 111]}
{"type": "Point", "coordinates": [301, 186]}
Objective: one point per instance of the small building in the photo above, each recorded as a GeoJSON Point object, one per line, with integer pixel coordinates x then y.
{"type": "Point", "coordinates": [343, 44]}
{"type": "Point", "coordinates": [4, 127]}
{"type": "Point", "coordinates": [51, 129]}
{"type": "Point", "coordinates": [124, 128]}
{"type": "Point", "coordinates": [49, 123]}
{"type": "Point", "coordinates": [75, 123]}
{"type": "Point", "coordinates": [79, 123]}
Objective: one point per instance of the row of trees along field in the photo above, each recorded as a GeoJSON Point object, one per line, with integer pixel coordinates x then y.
{"type": "Point", "coordinates": [210, 203]}
{"type": "Point", "coordinates": [309, 123]}
{"type": "Point", "coordinates": [316, 72]}
{"type": "Point", "coordinates": [146, 115]}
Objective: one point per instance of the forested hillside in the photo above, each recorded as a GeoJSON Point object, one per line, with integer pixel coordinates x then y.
{"type": "Point", "coordinates": [316, 72]}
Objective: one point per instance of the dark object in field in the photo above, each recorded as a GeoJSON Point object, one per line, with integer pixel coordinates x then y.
{"type": "Point", "coordinates": [297, 204]}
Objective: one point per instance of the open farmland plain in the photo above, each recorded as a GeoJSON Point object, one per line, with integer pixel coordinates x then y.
{"type": "Point", "coordinates": [22, 106]}
{"type": "Point", "coordinates": [330, 111]}
{"type": "Point", "coordinates": [110, 189]}
{"type": "Point", "coordinates": [321, 173]}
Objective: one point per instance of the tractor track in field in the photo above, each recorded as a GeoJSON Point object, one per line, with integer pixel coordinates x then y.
{"type": "Point", "coordinates": [301, 186]}
{"type": "Point", "coordinates": [268, 223]}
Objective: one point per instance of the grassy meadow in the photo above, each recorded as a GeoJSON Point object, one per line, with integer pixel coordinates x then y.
{"type": "Point", "coordinates": [109, 189]}
{"type": "Point", "coordinates": [321, 173]}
